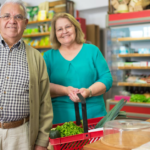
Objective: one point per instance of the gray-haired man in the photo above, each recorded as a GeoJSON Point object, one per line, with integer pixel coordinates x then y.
{"type": "Point", "coordinates": [25, 105]}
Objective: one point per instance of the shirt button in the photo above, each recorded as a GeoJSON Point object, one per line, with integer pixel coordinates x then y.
{"type": "Point", "coordinates": [1, 108]}
{"type": "Point", "coordinates": [4, 92]}
{"type": "Point", "coordinates": [9, 63]}
{"type": "Point", "coordinates": [7, 77]}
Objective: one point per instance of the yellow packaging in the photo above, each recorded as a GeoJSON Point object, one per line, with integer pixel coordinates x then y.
{"type": "Point", "coordinates": [42, 15]}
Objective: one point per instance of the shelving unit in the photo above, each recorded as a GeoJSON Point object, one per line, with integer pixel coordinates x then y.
{"type": "Point", "coordinates": [121, 27]}
{"type": "Point", "coordinates": [57, 6]}
{"type": "Point", "coordinates": [133, 84]}
{"type": "Point", "coordinates": [36, 34]}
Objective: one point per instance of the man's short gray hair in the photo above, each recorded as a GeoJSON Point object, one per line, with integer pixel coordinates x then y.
{"type": "Point", "coordinates": [16, 2]}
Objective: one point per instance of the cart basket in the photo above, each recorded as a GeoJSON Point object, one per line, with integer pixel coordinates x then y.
{"type": "Point", "coordinates": [76, 142]}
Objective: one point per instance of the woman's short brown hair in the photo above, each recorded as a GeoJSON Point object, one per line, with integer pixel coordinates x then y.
{"type": "Point", "coordinates": [79, 34]}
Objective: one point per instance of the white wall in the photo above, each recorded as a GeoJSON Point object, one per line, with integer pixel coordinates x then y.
{"type": "Point", "coordinates": [95, 16]}
{"type": "Point", "coordinates": [79, 4]}
{"type": "Point", "coordinates": [89, 4]}
{"type": "Point", "coordinates": [94, 11]}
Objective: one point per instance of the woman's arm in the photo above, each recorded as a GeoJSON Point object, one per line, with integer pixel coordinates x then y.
{"type": "Point", "coordinates": [95, 89]}
{"type": "Point", "coordinates": [57, 90]}
{"type": "Point", "coordinates": [104, 78]}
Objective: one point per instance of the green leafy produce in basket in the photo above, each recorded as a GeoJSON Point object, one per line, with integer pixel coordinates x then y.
{"type": "Point", "coordinates": [54, 134]}
{"type": "Point", "coordinates": [68, 129]}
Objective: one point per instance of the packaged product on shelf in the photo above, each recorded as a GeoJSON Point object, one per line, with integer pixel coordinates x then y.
{"type": "Point", "coordinates": [42, 15]}
{"type": "Point", "coordinates": [36, 43]}
{"type": "Point", "coordinates": [45, 27]}
{"type": "Point", "coordinates": [41, 28]}
{"type": "Point", "coordinates": [27, 40]}
{"type": "Point", "coordinates": [49, 29]}
{"type": "Point", "coordinates": [50, 14]}
{"type": "Point", "coordinates": [32, 13]}
{"type": "Point", "coordinates": [34, 30]}
{"type": "Point", "coordinates": [27, 31]}
{"type": "Point", "coordinates": [29, 10]}
{"type": "Point", "coordinates": [128, 64]}
{"type": "Point", "coordinates": [143, 51]}
{"type": "Point", "coordinates": [136, 64]}
{"type": "Point", "coordinates": [144, 63]}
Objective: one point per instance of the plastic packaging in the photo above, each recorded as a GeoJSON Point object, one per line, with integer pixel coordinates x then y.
{"type": "Point", "coordinates": [126, 133]}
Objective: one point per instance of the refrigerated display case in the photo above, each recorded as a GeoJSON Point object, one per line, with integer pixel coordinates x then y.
{"type": "Point", "coordinates": [127, 52]}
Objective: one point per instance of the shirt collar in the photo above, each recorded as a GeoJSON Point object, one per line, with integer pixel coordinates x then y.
{"type": "Point", "coordinates": [19, 44]}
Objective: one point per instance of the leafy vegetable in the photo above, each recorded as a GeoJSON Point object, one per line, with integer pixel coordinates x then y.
{"type": "Point", "coordinates": [139, 98]}
{"type": "Point", "coordinates": [68, 129]}
{"type": "Point", "coordinates": [112, 114]}
{"type": "Point", "coordinates": [54, 134]}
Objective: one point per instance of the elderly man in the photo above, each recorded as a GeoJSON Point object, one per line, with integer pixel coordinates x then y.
{"type": "Point", "coordinates": [25, 105]}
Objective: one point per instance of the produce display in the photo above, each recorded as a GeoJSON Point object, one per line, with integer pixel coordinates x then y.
{"type": "Point", "coordinates": [140, 98]}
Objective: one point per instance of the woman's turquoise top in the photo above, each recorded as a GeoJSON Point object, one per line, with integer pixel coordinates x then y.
{"type": "Point", "coordinates": [88, 67]}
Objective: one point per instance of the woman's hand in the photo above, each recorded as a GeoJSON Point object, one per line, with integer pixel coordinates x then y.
{"type": "Point", "coordinates": [72, 93]}
{"type": "Point", "coordinates": [84, 92]}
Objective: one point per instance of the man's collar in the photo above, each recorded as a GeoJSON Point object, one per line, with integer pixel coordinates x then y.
{"type": "Point", "coordinates": [2, 42]}
{"type": "Point", "coordinates": [18, 44]}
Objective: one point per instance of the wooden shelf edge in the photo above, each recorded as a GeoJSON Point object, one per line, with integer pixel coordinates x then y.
{"type": "Point", "coordinates": [134, 55]}
{"type": "Point", "coordinates": [42, 47]}
{"type": "Point", "coordinates": [133, 39]}
{"type": "Point", "coordinates": [123, 68]}
{"type": "Point", "coordinates": [33, 22]}
{"type": "Point", "coordinates": [133, 84]}
{"type": "Point", "coordinates": [37, 34]}
{"type": "Point", "coordinates": [128, 102]}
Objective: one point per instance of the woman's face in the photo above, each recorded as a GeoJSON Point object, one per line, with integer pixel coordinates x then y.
{"type": "Point", "coordinates": [65, 31]}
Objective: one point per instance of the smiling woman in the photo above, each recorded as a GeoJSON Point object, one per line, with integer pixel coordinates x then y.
{"type": "Point", "coordinates": [75, 67]}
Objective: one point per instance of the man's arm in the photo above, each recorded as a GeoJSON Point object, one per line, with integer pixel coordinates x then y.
{"type": "Point", "coordinates": [46, 111]}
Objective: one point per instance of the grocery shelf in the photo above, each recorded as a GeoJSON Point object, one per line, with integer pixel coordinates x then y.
{"type": "Point", "coordinates": [42, 47]}
{"type": "Point", "coordinates": [131, 67]}
{"type": "Point", "coordinates": [134, 55]}
{"type": "Point", "coordinates": [133, 84]}
{"type": "Point", "coordinates": [36, 34]}
{"type": "Point", "coordinates": [138, 110]}
{"type": "Point", "coordinates": [133, 39]}
{"type": "Point", "coordinates": [32, 22]}
{"type": "Point", "coordinates": [128, 18]}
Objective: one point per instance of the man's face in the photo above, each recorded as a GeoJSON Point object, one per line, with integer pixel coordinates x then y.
{"type": "Point", "coordinates": [12, 29]}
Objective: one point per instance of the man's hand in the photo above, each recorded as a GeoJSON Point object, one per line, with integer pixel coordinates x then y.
{"type": "Point", "coordinates": [37, 147]}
